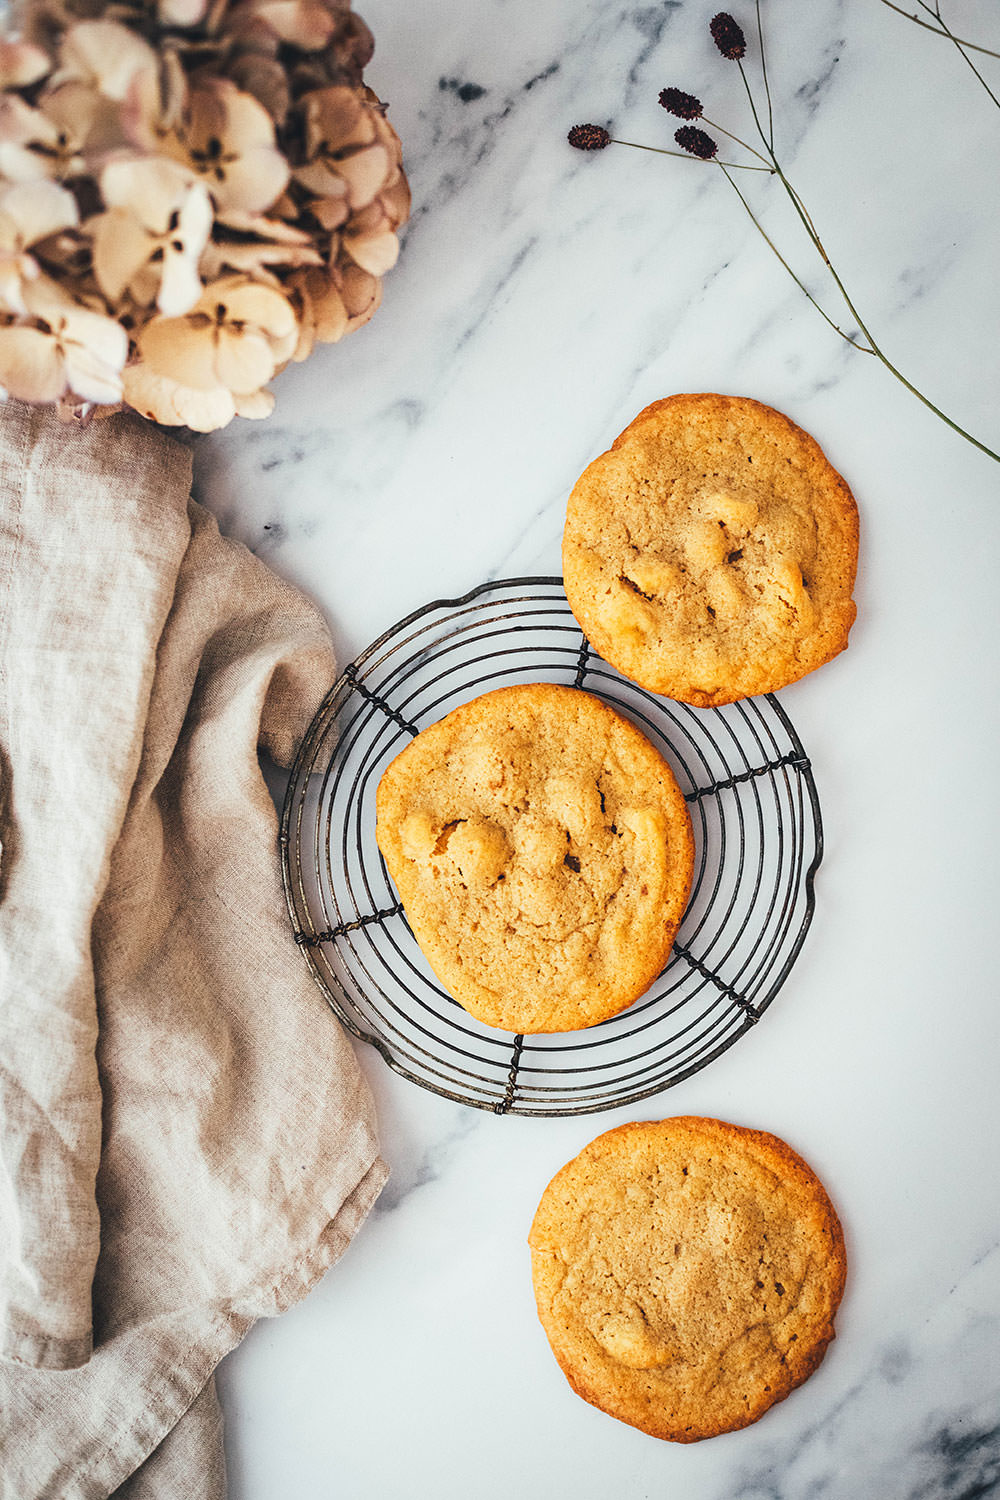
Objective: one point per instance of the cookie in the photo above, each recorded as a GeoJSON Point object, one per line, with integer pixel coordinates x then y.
{"type": "Point", "coordinates": [687, 1273]}
{"type": "Point", "coordinates": [543, 854]}
{"type": "Point", "coordinates": [710, 554]}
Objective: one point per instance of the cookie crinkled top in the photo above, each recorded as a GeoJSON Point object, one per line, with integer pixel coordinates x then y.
{"type": "Point", "coordinates": [711, 553]}
{"type": "Point", "coordinates": [543, 854]}
{"type": "Point", "coordinates": [687, 1272]}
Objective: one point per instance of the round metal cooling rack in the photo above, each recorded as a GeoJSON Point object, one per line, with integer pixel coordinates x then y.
{"type": "Point", "coordinates": [758, 842]}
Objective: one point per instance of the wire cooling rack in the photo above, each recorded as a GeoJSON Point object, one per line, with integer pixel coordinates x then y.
{"type": "Point", "coordinates": [758, 843]}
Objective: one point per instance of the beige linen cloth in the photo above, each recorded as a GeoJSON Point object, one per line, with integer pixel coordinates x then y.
{"type": "Point", "coordinates": [186, 1142]}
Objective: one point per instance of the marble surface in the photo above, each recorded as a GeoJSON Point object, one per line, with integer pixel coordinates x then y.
{"type": "Point", "coordinates": [542, 298]}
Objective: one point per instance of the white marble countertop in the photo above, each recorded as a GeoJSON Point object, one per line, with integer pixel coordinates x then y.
{"type": "Point", "coordinates": [541, 299]}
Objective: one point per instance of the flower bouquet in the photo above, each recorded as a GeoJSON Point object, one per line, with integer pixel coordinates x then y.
{"type": "Point", "coordinates": [192, 194]}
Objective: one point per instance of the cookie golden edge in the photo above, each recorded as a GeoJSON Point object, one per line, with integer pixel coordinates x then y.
{"type": "Point", "coordinates": [606, 644]}
{"type": "Point", "coordinates": [805, 1362]}
{"type": "Point", "coordinates": [479, 1002]}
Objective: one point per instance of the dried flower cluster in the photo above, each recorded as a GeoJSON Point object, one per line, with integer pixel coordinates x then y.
{"type": "Point", "coordinates": [589, 137]}
{"type": "Point", "coordinates": [727, 34]}
{"type": "Point", "coordinates": [730, 40]}
{"type": "Point", "coordinates": [192, 194]}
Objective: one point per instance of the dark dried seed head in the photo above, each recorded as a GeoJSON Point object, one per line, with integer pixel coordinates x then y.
{"type": "Point", "coordinates": [728, 36]}
{"type": "Point", "coordinates": [698, 142]}
{"type": "Point", "coordinates": [589, 137]}
{"type": "Point", "coordinates": [684, 106]}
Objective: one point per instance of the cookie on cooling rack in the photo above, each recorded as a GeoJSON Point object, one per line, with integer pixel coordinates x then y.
{"type": "Point", "coordinates": [710, 554]}
{"type": "Point", "coordinates": [687, 1273]}
{"type": "Point", "coordinates": [543, 854]}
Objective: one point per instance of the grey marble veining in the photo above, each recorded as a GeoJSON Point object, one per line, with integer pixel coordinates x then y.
{"type": "Point", "coordinates": [922, 1423]}
{"type": "Point", "coordinates": [541, 299]}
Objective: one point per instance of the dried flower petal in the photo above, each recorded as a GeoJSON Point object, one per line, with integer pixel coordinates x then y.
{"type": "Point", "coordinates": [589, 137]}
{"type": "Point", "coordinates": [361, 293]}
{"type": "Point", "coordinates": [308, 24]}
{"type": "Point", "coordinates": [684, 106]}
{"type": "Point", "coordinates": [158, 221]}
{"type": "Point", "coordinates": [105, 56]}
{"type": "Point", "coordinates": [21, 64]}
{"type": "Point", "coordinates": [323, 317]}
{"type": "Point", "coordinates": [233, 337]}
{"type": "Point", "coordinates": [728, 36]}
{"type": "Point", "coordinates": [331, 212]}
{"type": "Point", "coordinates": [256, 406]}
{"type": "Point", "coordinates": [698, 142]}
{"type": "Point", "coordinates": [175, 405]}
{"type": "Point", "coordinates": [30, 366]}
{"type": "Point", "coordinates": [49, 141]}
{"type": "Point", "coordinates": [365, 173]}
{"type": "Point", "coordinates": [253, 243]}
{"type": "Point", "coordinates": [30, 212]}
{"type": "Point", "coordinates": [376, 253]}
{"type": "Point", "coordinates": [221, 249]}
{"type": "Point", "coordinates": [228, 139]}
{"type": "Point", "coordinates": [267, 80]}
{"type": "Point", "coordinates": [181, 12]}
{"type": "Point", "coordinates": [74, 348]}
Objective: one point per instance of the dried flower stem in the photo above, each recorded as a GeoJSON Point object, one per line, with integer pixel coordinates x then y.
{"type": "Point", "coordinates": [737, 166]}
{"type": "Point", "coordinates": [959, 46]}
{"type": "Point", "coordinates": [731, 42]}
{"type": "Point", "coordinates": [863, 348]}
{"type": "Point", "coordinates": [763, 74]}
{"type": "Point", "coordinates": [738, 139]}
{"type": "Point", "coordinates": [941, 29]}
{"type": "Point", "coordinates": [870, 346]}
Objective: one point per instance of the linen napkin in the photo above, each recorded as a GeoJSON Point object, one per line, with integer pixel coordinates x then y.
{"type": "Point", "coordinates": [187, 1141]}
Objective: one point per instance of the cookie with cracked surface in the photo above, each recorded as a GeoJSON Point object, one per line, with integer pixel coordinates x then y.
{"type": "Point", "coordinates": [687, 1273]}
{"type": "Point", "coordinates": [711, 553]}
{"type": "Point", "coordinates": [543, 854]}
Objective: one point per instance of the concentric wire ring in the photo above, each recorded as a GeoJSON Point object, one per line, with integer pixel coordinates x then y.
{"type": "Point", "coordinates": [758, 843]}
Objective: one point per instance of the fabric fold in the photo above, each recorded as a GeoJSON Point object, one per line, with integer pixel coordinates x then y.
{"type": "Point", "coordinates": [200, 1102]}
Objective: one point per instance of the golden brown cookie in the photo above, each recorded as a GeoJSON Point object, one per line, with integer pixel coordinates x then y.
{"type": "Point", "coordinates": [710, 554]}
{"type": "Point", "coordinates": [687, 1273]}
{"type": "Point", "coordinates": [543, 854]}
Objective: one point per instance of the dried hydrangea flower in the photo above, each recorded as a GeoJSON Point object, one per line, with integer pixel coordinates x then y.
{"type": "Point", "coordinates": [697, 142]}
{"type": "Point", "coordinates": [236, 336]}
{"type": "Point", "coordinates": [361, 293]}
{"type": "Point", "coordinates": [728, 36]}
{"type": "Point", "coordinates": [684, 106]}
{"type": "Point", "coordinates": [589, 137]}
{"type": "Point", "coordinates": [66, 348]}
{"type": "Point", "coordinates": [30, 212]}
{"type": "Point", "coordinates": [175, 405]}
{"type": "Point", "coordinates": [254, 244]}
{"type": "Point", "coordinates": [308, 24]}
{"type": "Point", "coordinates": [105, 57]}
{"type": "Point", "coordinates": [227, 138]}
{"type": "Point", "coordinates": [150, 239]}
{"type": "Point", "coordinates": [48, 141]}
{"type": "Point", "coordinates": [322, 314]}
{"type": "Point", "coordinates": [345, 159]}
{"type": "Point", "coordinates": [21, 64]}
{"type": "Point", "coordinates": [213, 174]}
